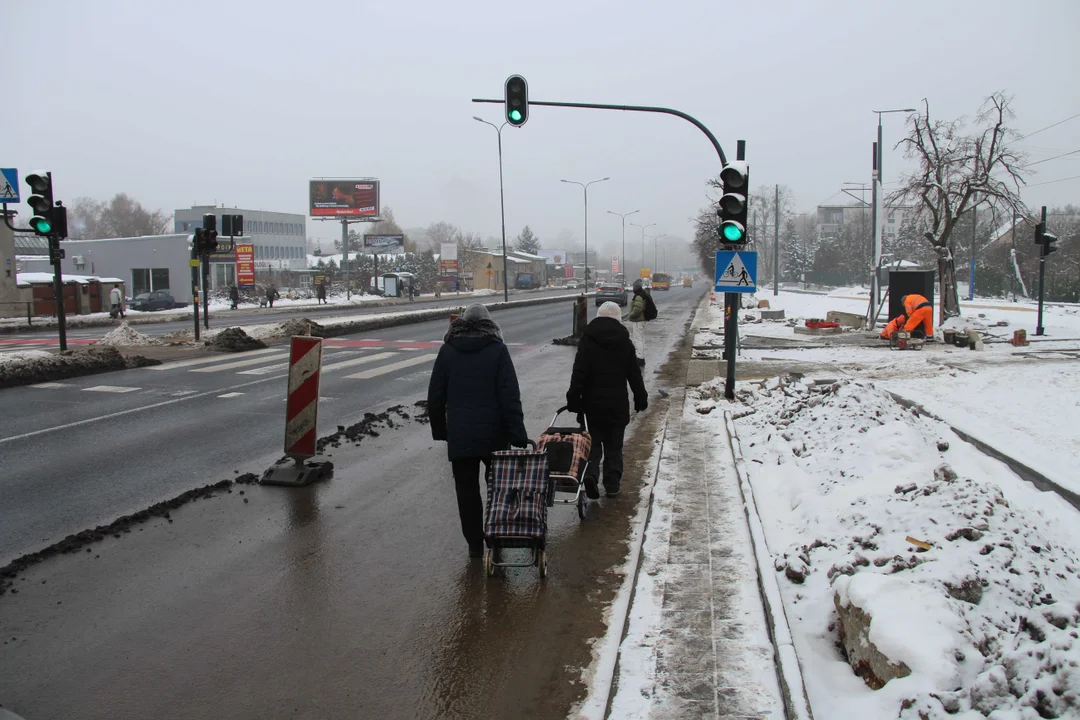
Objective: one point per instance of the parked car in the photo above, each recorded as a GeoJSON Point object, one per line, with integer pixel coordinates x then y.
{"type": "Point", "coordinates": [611, 292]}
{"type": "Point", "coordinates": [157, 300]}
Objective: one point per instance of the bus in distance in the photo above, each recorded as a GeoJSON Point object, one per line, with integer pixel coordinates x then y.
{"type": "Point", "coordinates": [661, 281]}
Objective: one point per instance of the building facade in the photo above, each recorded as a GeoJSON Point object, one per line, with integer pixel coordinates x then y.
{"type": "Point", "coordinates": [832, 218]}
{"type": "Point", "coordinates": [280, 240]}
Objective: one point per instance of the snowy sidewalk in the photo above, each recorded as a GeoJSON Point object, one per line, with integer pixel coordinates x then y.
{"type": "Point", "coordinates": [697, 643]}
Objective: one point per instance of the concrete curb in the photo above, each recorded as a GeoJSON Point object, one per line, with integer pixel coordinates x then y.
{"type": "Point", "coordinates": [1034, 477]}
{"type": "Point", "coordinates": [789, 671]}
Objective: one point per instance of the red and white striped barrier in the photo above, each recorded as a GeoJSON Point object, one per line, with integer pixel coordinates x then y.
{"type": "Point", "coordinates": [302, 408]}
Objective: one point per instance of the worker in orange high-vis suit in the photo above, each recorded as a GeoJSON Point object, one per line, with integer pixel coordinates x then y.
{"type": "Point", "coordinates": [917, 318]}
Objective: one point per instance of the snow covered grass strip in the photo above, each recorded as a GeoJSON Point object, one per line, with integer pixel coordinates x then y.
{"type": "Point", "coordinates": [792, 687]}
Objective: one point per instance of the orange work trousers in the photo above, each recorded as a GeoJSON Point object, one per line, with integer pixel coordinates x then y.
{"type": "Point", "coordinates": [922, 318]}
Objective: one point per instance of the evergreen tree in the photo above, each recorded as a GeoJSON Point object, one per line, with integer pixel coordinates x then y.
{"type": "Point", "coordinates": [527, 242]}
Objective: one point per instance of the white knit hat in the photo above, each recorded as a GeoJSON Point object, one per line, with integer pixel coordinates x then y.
{"type": "Point", "coordinates": [609, 310]}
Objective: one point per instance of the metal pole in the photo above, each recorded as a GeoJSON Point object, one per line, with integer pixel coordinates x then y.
{"type": "Point", "coordinates": [58, 289]}
{"type": "Point", "coordinates": [1042, 276]}
{"type": "Point", "coordinates": [875, 229]}
{"type": "Point", "coordinates": [345, 256]}
{"type": "Point", "coordinates": [622, 258]}
{"type": "Point", "coordinates": [206, 290]}
{"type": "Point", "coordinates": [776, 244]}
{"type": "Point", "coordinates": [195, 287]}
{"type": "Point", "coordinates": [586, 189]}
{"type": "Point", "coordinates": [1011, 269]}
{"type": "Point", "coordinates": [731, 317]}
{"type": "Point", "coordinates": [974, 223]}
{"type": "Point", "coordinates": [502, 210]}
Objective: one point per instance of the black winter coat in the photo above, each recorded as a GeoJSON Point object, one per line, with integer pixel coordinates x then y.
{"type": "Point", "coordinates": [604, 364]}
{"type": "Point", "coordinates": [473, 397]}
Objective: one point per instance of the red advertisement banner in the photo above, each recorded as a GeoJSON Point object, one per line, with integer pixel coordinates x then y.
{"type": "Point", "coordinates": [245, 264]}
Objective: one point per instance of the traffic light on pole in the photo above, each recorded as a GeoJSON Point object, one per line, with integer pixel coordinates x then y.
{"type": "Point", "coordinates": [1045, 240]}
{"type": "Point", "coordinates": [209, 234]}
{"type": "Point", "coordinates": [735, 178]}
{"type": "Point", "coordinates": [517, 100]}
{"type": "Point", "coordinates": [41, 201]}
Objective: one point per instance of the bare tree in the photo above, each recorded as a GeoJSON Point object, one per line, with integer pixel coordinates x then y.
{"type": "Point", "coordinates": [957, 171]}
{"type": "Point", "coordinates": [442, 232]}
{"type": "Point", "coordinates": [120, 217]}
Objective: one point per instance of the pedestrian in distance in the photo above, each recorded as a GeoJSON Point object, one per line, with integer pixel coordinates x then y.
{"type": "Point", "coordinates": [603, 367]}
{"type": "Point", "coordinates": [642, 310]}
{"type": "Point", "coordinates": [320, 291]}
{"type": "Point", "coordinates": [271, 293]}
{"type": "Point", "coordinates": [116, 302]}
{"type": "Point", "coordinates": [475, 406]}
{"type": "Point", "coordinates": [234, 296]}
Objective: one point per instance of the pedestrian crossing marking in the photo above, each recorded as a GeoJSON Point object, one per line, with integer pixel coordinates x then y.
{"type": "Point", "coordinates": [376, 372]}
{"type": "Point", "coordinates": [111, 389]}
{"type": "Point", "coordinates": [240, 363]}
{"type": "Point", "coordinates": [51, 385]}
{"type": "Point", "coordinates": [203, 360]}
{"type": "Point", "coordinates": [231, 395]}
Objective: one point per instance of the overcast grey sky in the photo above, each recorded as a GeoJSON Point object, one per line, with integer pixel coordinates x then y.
{"type": "Point", "coordinates": [242, 102]}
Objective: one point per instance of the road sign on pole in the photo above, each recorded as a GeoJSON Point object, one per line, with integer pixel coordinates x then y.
{"type": "Point", "coordinates": [736, 271]}
{"type": "Point", "coordinates": [9, 185]}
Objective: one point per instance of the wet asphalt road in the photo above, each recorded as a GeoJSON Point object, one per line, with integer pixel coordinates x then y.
{"type": "Point", "coordinates": [248, 315]}
{"type": "Point", "coordinates": [353, 598]}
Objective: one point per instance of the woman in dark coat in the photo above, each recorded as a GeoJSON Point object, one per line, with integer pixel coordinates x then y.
{"type": "Point", "coordinates": [604, 365]}
{"type": "Point", "coordinates": [475, 406]}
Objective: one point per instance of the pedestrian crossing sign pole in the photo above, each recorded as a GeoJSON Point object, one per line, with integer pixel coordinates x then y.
{"type": "Point", "coordinates": [736, 271]}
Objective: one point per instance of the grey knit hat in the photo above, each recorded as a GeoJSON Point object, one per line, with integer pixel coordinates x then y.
{"type": "Point", "coordinates": [476, 312]}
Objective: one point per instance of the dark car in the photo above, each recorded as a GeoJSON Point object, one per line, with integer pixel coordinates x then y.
{"type": "Point", "coordinates": [157, 300]}
{"type": "Point", "coordinates": [608, 292]}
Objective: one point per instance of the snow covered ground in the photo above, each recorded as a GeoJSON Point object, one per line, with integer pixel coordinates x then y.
{"type": "Point", "coordinates": [986, 620]}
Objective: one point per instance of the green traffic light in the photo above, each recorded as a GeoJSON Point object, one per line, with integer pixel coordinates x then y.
{"type": "Point", "coordinates": [515, 115]}
{"type": "Point", "coordinates": [732, 232]}
{"type": "Point", "coordinates": [41, 225]}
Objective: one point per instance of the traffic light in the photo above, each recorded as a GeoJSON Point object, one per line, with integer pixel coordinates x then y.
{"type": "Point", "coordinates": [733, 206]}
{"type": "Point", "coordinates": [517, 100]}
{"type": "Point", "coordinates": [41, 201]}
{"type": "Point", "coordinates": [209, 233]}
{"type": "Point", "coordinates": [232, 225]}
{"type": "Point", "coordinates": [1045, 239]}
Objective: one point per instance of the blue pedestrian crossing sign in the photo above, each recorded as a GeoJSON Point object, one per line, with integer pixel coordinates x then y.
{"type": "Point", "coordinates": [9, 185]}
{"type": "Point", "coordinates": [736, 271]}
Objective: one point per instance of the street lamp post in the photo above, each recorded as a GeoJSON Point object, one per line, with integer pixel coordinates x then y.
{"type": "Point", "coordinates": [642, 244]}
{"type": "Point", "coordinates": [622, 258]}
{"type": "Point", "coordinates": [875, 281]}
{"type": "Point", "coordinates": [585, 188]}
{"type": "Point", "coordinates": [502, 207]}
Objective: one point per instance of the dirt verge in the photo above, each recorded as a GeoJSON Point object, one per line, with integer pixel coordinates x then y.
{"type": "Point", "coordinates": [69, 364]}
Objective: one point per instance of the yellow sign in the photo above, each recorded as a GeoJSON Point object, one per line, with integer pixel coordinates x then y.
{"type": "Point", "coordinates": [489, 272]}
{"type": "Point", "coordinates": [193, 262]}
{"type": "Point", "coordinates": [645, 272]}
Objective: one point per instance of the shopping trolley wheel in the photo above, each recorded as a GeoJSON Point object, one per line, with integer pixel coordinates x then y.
{"type": "Point", "coordinates": [489, 562]}
{"type": "Point", "coordinates": [541, 562]}
{"type": "Point", "coordinates": [582, 506]}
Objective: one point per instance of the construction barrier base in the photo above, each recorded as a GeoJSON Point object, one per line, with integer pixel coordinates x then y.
{"type": "Point", "coordinates": [294, 473]}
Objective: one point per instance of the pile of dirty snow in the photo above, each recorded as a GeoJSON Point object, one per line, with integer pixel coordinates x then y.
{"type": "Point", "coordinates": [20, 356]}
{"type": "Point", "coordinates": [978, 617]}
{"type": "Point", "coordinates": [125, 336]}
{"type": "Point", "coordinates": [233, 339]}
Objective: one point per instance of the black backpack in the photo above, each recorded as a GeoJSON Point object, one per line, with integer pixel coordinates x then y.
{"type": "Point", "coordinates": [650, 307]}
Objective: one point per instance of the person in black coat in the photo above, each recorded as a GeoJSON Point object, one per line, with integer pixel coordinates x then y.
{"type": "Point", "coordinates": [604, 364]}
{"type": "Point", "coordinates": [475, 406]}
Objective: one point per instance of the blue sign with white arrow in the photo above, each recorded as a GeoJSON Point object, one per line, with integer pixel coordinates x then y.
{"type": "Point", "coordinates": [736, 271]}
{"type": "Point", "coordinates": [9, 185]}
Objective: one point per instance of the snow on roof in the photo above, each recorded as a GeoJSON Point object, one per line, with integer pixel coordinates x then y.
{"type": "Point", "coordinates": [519, 253]}
{"type": "Point", "coordinates": [26, 279]}
{"type": "Point", "coordinates": [167, 236]}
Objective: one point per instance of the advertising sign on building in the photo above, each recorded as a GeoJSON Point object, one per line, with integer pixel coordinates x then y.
{"type": "Point", "coordinates": [554, 257]}
{"type": "Point", "coordinates": [384, 244]}
{"type": "Point", "coordinates": [448, 259]}
{"type": "Point", "coordinates": [245, 264]}
{"type": "Point", "coordinates": [344, 198]}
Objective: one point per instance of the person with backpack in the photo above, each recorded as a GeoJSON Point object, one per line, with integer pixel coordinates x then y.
{"type": "Point", "coordinates": [642, 310]}
{"type": "Point", "coordinates": [474, 403]}
{"type": "Point", "coordinates": [605, 363]}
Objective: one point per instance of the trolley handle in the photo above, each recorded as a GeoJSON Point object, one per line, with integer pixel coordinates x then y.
{"type": "Point", "coordinates": [565, 408]}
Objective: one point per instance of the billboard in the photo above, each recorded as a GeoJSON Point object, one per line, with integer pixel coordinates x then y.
{"type": "Point", "coordinates": [553, 257]}
{"type": "Point", "coordinates": [448, 259]}
{"type": "Point", "coordinates": [384, 244]}
{"type": "Point", "coordinates": [344, 198]}
{"type": "Point", "coordinates": [245, 264]}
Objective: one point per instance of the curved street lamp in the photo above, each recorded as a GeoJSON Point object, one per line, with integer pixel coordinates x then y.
{"type": "Point", "coordinates": [585, 188]}
{"type": "Point", "coordinates": [622, 258]}
{"type": "Point", "coordinates": [502, 206]}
